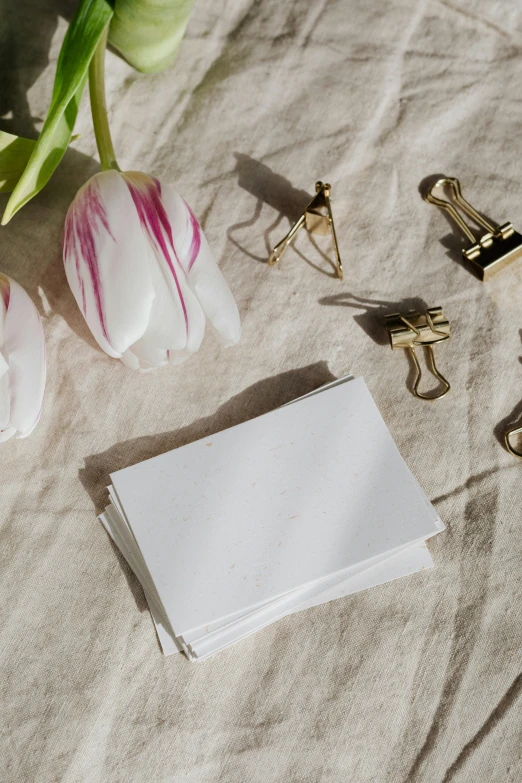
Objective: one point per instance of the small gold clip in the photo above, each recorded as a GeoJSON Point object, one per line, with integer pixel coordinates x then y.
{"type": "Point", "coordinates": [318, 219]}
{"type": "Point", "coordinates": [507, 441]}
{"type": "Point", "coordinates": [495, 249]}
{"type": "Point", "coordinates": [414, 329]}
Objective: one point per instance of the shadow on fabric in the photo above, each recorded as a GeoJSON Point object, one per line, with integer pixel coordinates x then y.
{"type": "Point", "coordinates": [272, 189]}
{"type": "Point", "coordinates": [24, 55]}
{"type": "Point", "coordinates": [262, 397]}
{"type": "Point", "coordinates": [32, 239]}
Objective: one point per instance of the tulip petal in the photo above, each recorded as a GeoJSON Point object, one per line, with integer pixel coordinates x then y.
{"type": "Point", "coordinates": [149, 356]}
{"type": "Point", "coordinates": [5, 292]}
{"type": "Point", "coordinates": [177, 322]}
{"type": "Point", "coordinates": [5, 402]}
{"type": "Point", "coordinates": [165, 332]}
{"type": "Point", "coordinates": [130, 360]}
{"type": "Point", "coordinates": [148, 34]}
{"type": "Point", "coordinates": [203, 274]}
{"type": "Point", "coordinates": [7, 434]}
{"type": "Point", "coordinates": [24, 349]}
{"type": "Point", "coordinates": [105, 256]}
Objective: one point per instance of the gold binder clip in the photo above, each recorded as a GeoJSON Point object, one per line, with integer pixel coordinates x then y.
{"type": "Point", "coordinates": [318, 219]}
{"type": "Point", "coordinates": [495, 249]}
{"type": "Point", "coordinates": [414, 329]}
{"type": "Point", "coordinates": [507, 441]}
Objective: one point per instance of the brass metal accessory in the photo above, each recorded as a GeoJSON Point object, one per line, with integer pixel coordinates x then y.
{"type": "Point", "coordinates": [507, 441]}
{"type": "Point", "coordinates": [318, 219]}
{"type": "Point", "coordinates": [410, 330]}
{"type": "Point", "coordinates": [495, 249]}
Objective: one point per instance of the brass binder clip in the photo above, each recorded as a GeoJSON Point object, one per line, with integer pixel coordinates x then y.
{"type": "Point", "coordinates": [507, 441]}
{"type": "Point", "coordinates": [318, 219]}
{"type": "Point", "coordinates": [495, 249]}
{"type": "Point", "coordinates": [414, 329]}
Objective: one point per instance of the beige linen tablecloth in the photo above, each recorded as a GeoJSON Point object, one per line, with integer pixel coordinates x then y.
{"type": "Point", "coordinates": [419, 680]}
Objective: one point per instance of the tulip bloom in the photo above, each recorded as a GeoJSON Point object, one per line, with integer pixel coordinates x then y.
{"type": "Point", "coordinates": [142, 272]}
{"type": "Point", "coordinates": [22, 361]}
{"type": "Point", "coordinates": [148, 32]}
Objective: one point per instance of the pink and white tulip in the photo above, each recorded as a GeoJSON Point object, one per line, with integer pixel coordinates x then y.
{"type": "Point", "coordinates": [142, 273]}
{"type": "Point", "coordinates": [22, 361]}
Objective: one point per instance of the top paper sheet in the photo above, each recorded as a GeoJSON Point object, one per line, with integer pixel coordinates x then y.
{"type": "Point", "coordinates": [245, 516]}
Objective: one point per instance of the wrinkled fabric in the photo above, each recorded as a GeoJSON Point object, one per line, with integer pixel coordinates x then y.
{"type": "Point", "coordinates": [416, 681]}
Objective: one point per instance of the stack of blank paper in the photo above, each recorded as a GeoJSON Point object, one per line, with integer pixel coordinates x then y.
{"type": "Point", "coordinates": [300, 506]}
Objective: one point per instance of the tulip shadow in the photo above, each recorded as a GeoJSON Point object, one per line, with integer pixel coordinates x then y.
{"type": "Point", "coordinates": [279, 193]}
{"type": "Point", "coordinates": [260, 398]}
{"type": "Point", "coordinates": [27, 31]}
{"type": "Point", "coordinates": [31, 242]}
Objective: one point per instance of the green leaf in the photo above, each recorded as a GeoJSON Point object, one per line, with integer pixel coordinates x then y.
{"type": "Point", "coordinates": [148, 32]}
{"type": "Point", "coordinates": [85, 30]}
{"type": "Point", "coordinates": [15, 151]}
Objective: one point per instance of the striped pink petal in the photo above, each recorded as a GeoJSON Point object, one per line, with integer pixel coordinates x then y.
{"type": "Point", "coordinates": [177, 321]}
{"type": "Point", "coordinates": [203, 274]}
{"type": "Point", "coordinates": [106, 258]}
{"type": "Point", "coordinates": [22, 361]}
{"type": "Point", "coordinates": [142, 273]}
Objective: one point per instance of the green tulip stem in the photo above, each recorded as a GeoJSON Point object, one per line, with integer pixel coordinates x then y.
{"type": "Point", "coordinates": [99, 106]}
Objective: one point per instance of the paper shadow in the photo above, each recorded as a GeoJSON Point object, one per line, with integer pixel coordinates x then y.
{"type": "Point", "coordinates": [260, 398]}
{"type": "Point", "coordinates": [270, 188]}
{"type": "Point", "coordinates": [454, 242]}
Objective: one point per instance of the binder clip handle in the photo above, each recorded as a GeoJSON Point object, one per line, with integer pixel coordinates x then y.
{"type": "Point", "coordinates": [498, 246]}
{"type": "Point", "coordinates": [507, 441]}
{"type": "Point", "coordinates": [281, 246]}
{"type": "Point", "coordinates": [317, 219]}
{"type": "Point", "coordinates": [411, 330]}
{"type": "Point", "coordinates": [454, 185]}
{"type": "Point", "coordinates": [435, 371]}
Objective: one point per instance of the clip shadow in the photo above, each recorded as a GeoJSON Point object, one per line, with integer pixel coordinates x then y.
{"type": "Point", "coordinates": [279, 193]}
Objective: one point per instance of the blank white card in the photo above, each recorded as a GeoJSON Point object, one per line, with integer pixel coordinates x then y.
{"type": "Point", "coordinates": [302, 495]}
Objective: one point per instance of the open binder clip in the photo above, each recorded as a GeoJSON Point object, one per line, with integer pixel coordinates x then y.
{"type": "Point", "coordinates": [414, 329]}
{"type": "Point", "coordinates": [495, 249]}
{"type": "Point", "coordinates": [318, 219]}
